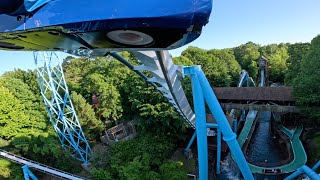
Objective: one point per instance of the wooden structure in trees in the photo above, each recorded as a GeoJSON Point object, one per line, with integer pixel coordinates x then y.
{"type": "Point", "coordinates": [117, 132]}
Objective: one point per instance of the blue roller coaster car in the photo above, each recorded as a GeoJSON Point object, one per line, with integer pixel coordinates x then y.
{"type": "Point", "coordinates": [73, 25]}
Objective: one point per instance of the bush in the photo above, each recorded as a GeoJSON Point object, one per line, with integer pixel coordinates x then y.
{"type": "Point", "coordinates": [173, 170]}
{"type": "Point", "coordinates": [138, 158]}
{"type": "Point", "coordinates": [159, 148]}
{"type": "Point", "coordinates": [47, 150]}
{"type": "Point", "coordinates": [138, 169]}
{"type": "Point", "coordinates": [101, 174]}
{"type": "Point", "coordinates": [9, 170]}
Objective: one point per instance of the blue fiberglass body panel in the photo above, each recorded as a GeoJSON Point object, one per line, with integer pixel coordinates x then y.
{"type": "Point", "coordinates": [171, 24]}
{"type": "Point", "coordinates": [31, 5]}
{"type": "Point", "coordinates": [19, 7]}
{"type": "Point", "coordinates": [182, 12]}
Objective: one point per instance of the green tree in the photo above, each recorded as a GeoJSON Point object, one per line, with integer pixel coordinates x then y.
{"type": "Point", "coordinates": [182, 60]}
{"type": "Point", "coordinates": [196, 55]}
{"type": "Point", "coordinates": [277, 56]}
{"type": "Point", "coordinates": [307, 82]}
{"type": "Point", "coordinates": [103, 77]}
{"type": "Point", "coordinates": [33, 108]}
{"type": "Point", "coordinates": [8, 170]}
{"type": "Point", "coordinates": [158, 147]}
{"type": "Point", "coordinates": [139, 158]}
{"type": "Point", "coordinates": [109, 97]}
{"type": "Point", "coordinates": [91, 126]}
{"type": "Point", "coordinates": [247, 56]}
{"type": "Point", "coordinates": [75, 70]}
{"type": "Point", "coordinates": [139, 169]}
{"type": "Point", "coordinates": [216, 65]}
{"type": "Point", "coordinates": [100, 174]}
{"type": "Point", "coordinates": [157, 115]}
{"type": "Point", "coordinates": [45, 148]}
{"type": "Point", "coordinates": [13, 120]}
{"type": "Point", "coordinates": [233, 66]}
{"type": "Point", "coordinates": [296, 53]}
{"type": "Point", "coordinates": [24, 123]}
{"type": "Point", "coordinates": [28, 77]}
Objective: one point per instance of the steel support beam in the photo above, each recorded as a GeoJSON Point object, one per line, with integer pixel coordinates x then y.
{"type": "Point", "coordinates": [235, 125]}
{"type": "Point", "coordinates": [315, 167]}
{"type": "Point", "coordinates": [262, 80]}
{"type": "Point", "coordinates": [304, 169]}
{"type": "Point", "coordinates": [200, 83]}
{"type": "Point", "coordinates": [201, 127]}
{"type": "Point", "coordinates": [243, 115]}
{"type": "Point", "coordinates": [60, 109]}
{"type": "Point", "coordinates": [218, 150]}
{"type": "Point", "coordinates": [28, 174]}
{"type": "Point", "coordinates": [191, 141]}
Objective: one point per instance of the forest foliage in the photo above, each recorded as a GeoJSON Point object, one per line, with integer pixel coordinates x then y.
{"type": "Point", "coordinates": [307, 81]}
{"type": "Point", "coordinates": [122, 95]}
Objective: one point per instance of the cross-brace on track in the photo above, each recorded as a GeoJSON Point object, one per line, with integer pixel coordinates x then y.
{"type": "Point", "coordinates": [60, 109]}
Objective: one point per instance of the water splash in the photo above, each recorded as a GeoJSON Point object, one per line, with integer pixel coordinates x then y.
{"type": "Point", "coordinates": [229, 169]}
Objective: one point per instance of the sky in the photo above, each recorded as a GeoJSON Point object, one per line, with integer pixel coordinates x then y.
{"type": "Point", "coordinates": [232, 23]}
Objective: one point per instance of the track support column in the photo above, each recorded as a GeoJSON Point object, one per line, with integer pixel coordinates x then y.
{"type": "Point", "coordinates": [218, 150]}
{"type": "Point", "coordinates": [200, 82]}
{"type": "Point", "coordinates": [201, 126]}
{"type": "Point", "coordinates": [235, 125]}
{"type": "Point", "coordinates": [191, 141]}
{"type": "Point", "coordinates": [55, 94]}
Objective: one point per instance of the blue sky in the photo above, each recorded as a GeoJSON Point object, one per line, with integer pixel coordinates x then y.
{"type": "Point", "coordinates": [232, 23]}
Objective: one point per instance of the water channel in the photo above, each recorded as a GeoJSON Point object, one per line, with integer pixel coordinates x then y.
{"type": "Point", "coordinates": [263, 150]}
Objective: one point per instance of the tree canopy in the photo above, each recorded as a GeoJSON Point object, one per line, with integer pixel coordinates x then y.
{"type": "Point", "coordinates": [247, 56]}
{"type": "Point", "coordinates": [277, 56]}
{"type": "Point", "coordinates": [306, 84]}
{"type": "Point", "coordinates": [296, 54]}
{"type": "Point", "coordinates": [219, 66]}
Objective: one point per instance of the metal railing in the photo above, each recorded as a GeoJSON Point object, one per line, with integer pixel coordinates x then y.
{"type": "Point", "coordinates": [38, 166]}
